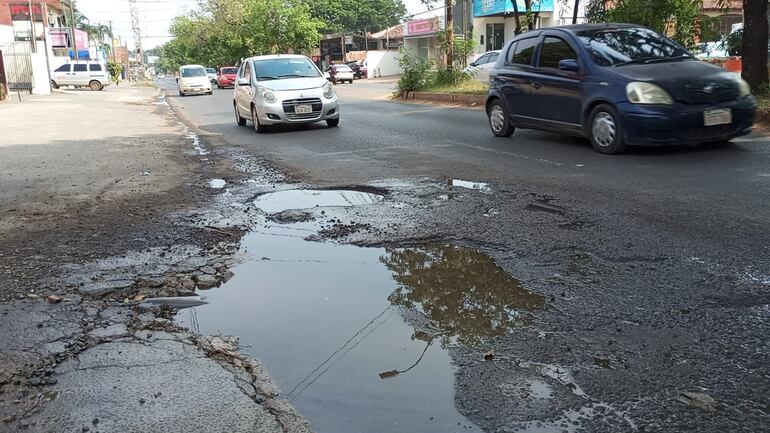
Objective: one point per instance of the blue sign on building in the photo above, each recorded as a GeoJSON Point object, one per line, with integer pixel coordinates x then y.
{"type": "Point", "coordinates": [482, 8]}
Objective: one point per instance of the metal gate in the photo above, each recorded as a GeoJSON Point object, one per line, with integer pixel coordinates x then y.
{"type": "Point", "coordinates": [18, 65]}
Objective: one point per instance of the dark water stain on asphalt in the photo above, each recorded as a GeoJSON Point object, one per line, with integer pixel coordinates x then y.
{"type": "Point", "coordinates": [357, 337]}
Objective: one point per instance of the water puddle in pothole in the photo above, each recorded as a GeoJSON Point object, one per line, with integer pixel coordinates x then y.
{"type": "Point", "coordinates": [357, 337]}
{"type": "Point", "coordinates": [310, 198]}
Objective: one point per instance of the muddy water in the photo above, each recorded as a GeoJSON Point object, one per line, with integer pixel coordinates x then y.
{"type": "Point", "coordinates": [357, 337]}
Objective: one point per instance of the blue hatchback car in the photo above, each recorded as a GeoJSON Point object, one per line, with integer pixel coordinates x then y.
{"type": "Point", "coordinates": [617, 85]}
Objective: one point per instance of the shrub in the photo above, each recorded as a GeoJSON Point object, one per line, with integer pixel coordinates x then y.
{"type": "Point", "coordinates": [416, 72]}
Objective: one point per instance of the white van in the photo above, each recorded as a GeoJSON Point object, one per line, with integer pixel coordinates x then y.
{"type": "Point", "coordinates": [193, 79]}
{"type": "Point", "coordinates": [93, 75]}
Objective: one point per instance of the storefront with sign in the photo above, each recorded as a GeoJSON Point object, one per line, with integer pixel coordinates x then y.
{"type": "Point", "coordinates": [494, 22]}
{"type": "Point", "coordinates": [420, 38]}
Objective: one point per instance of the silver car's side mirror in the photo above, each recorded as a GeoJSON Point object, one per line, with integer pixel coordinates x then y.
{"type": "Point", "coordinates": [243, 82]}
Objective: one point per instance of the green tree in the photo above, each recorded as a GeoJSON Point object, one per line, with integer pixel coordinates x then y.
{"type": "Point", "coordinates": [682, 19]}
{"type": "Point", "coordinates": [225, 31]}
{"type": "Point", "coordinates": [357, 15]}
{"type": "Point", "coordinates": [754, 44]}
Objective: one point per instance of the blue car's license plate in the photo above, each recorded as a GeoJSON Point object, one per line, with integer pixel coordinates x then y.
{"type": "Point", "coordinates": [717, 117]}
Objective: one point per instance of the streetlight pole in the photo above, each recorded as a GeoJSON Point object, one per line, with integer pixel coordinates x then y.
{"type": "Point", "coordinates": [112, 43]}
{"type": "Point", "coordinates": [43, 18]}
{"type": "Point", "coordinates": [32, 27]}
{"type": "Point", "coordinates": [72, 30]}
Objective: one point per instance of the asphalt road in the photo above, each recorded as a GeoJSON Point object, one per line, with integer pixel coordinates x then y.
{"type": "Point", "coordinates": [656, 262]}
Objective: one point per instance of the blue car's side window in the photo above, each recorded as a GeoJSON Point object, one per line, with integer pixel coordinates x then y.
{"type": "Point", "coordinates": [554, 50]}
{"type": "Point", "coordinates": [522, 52]}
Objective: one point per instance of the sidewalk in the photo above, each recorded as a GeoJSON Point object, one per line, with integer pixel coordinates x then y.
{"type": "Point", "coordinates": [93, 183]}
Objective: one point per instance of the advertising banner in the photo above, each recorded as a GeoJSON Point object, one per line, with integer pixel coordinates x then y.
{"type": "Point", "coordinates": [482, 8]}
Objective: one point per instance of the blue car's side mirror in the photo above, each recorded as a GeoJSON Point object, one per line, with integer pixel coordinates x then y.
{"type": "Point", "coordinates": [570, 65]}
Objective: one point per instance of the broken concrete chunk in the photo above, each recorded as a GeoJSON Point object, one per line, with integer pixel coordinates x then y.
{"type": "Point", "coordinates": [175, 302]}
{"type": "Point", "coordinates": [698, 400]}
{"type": "Point", "coordinates": [207, 281]}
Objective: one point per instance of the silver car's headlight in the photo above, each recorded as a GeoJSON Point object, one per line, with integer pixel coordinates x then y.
{"type": "Point", "coordinates": [328, 91]}
{"type": "Point", "coordinates": [743, 87]}
{"type": "Point", "coordinates": [640, 92]}
{"type": "Point", "coordinates": [267, 95]}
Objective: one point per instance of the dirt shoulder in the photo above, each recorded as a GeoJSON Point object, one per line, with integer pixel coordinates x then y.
{"type": "Point", "coordinates": [89, 174]}
{"type": "Point", "coordinates": [97, 211]}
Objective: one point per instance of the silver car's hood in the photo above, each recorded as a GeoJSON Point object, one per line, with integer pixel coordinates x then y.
{"type": "Point", "coordinates": [294, 83]}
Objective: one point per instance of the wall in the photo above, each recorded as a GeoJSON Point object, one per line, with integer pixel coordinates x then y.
{"type": "Point", "coordinates": [382, 64]}
{"type": "Point", "coordinates": [6, 34]}
{"type": "Point", "coordinates": [40, 76]}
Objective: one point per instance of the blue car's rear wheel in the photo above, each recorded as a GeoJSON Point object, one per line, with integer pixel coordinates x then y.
{"type": "Point", "coordinates": [605, 130]}
{"type": "Point", "coordinates": [499, 120]}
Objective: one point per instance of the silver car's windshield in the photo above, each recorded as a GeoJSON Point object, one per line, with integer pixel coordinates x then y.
{"type": "Point", "coordinates": [292, 67]}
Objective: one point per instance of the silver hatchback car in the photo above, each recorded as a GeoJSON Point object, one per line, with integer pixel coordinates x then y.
{"type": "Point", "coordinates": [283, 89]}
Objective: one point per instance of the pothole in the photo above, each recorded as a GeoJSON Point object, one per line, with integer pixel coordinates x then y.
{"type": "Point", "coordinates": [298, 199]}
{"type": "Point", "coordinates": [359, 338]}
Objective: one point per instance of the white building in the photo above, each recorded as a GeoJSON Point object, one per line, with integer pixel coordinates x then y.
{"type": "Point", "coordinates": [494, 21]}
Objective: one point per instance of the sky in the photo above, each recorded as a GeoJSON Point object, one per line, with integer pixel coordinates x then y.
{"type": "Point", "coordinates": [156, 15]}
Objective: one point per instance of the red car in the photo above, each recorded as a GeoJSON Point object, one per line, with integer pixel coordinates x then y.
{"type": "Point", "coordinates": [226, 76]}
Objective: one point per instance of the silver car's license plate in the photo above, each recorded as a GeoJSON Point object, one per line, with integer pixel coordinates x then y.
{"type": "Point", "coordinates": [717, 117]}
{"type": "Point", "coordinates": [303, 109]}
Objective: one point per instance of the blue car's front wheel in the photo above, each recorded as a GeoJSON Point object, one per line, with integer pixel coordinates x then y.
{"type": "Point", "coordinates": [605, 130]}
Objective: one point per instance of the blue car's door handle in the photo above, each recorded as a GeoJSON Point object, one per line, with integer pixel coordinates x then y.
{"type": "Point", "coordinates": [536, 85]}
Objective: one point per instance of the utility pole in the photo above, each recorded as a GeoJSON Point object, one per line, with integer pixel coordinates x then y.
{"type": "Point", "coordinates": [112, 43]}
{"type": "Point", "coordinates": [575, 11]}
{"type": "Point", "coordinates": [450, 35]}
{"type": "Point", "coordinates": [138, 52]}
{"type": "Point", "coordinates": [72, 30]}
{"type": "Point", "coordinates": [32, 27]}
{"type": "Point", "coordinates": [43, 19]}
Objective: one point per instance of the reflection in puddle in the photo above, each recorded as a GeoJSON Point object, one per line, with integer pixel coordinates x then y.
{"type": "Point", "coordinates": [461, 291]}
{"type": "Point", "coordinates": [349, 332]}
{"type": "Point", "coordinates": [307, 199]}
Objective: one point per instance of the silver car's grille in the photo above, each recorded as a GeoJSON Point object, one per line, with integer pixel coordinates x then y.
{"type": "Point", "coordinates": [289, 107]}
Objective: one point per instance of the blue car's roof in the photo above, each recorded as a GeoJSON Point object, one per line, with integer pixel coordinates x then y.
{"type": "Point", "coordinates": [574, 28]}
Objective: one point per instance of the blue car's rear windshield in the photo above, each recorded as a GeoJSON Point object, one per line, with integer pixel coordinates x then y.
{"type": "Point", "coordinates": [611, 47]}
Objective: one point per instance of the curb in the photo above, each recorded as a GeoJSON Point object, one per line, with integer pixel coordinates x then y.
{"type": "Point", "coordinates": [463, 99]}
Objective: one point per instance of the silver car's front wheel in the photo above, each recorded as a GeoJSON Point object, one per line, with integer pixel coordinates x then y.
{"type": "Point", "coordinates": [255, 120]}
{"type": "Point", "coordinates": [238, 119]}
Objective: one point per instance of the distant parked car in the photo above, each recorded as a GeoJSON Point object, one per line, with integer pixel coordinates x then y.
{"type": "Point", "coordinates": [193, 79]}
{"type": "Point", "coordinates": [283, 88]}
{"type": "Point", "coordinates": [358, 73]}
{"type": "Point", "coordinates": [711, 50]}
{"type": "Point", "coordinates": [161, 75]}
{"type": "Point", "coordinates": [480, 67]}
{"type": "Point", "coordinates": [93, 75]}
{"type": "Point", "coordinates": [212, 74]}
{"type": "Point", "coordinates": [340, 73]}
{"type": "Point", "coordinates": [616, 84]}
{"type": "Point", "coordinates": [226, 76]}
